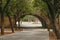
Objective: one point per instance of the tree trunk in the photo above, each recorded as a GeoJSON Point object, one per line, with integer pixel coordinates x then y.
{"type": "Point", "coordinates": [19, 23]}
{"type": "Point", "coordinates": [58, 28]}
{"type": "Point", "coordinates": [11, 25]}
{"type": "Point", "coordinates": [52, 17]}
{"type": "Point", "coordinates": [2, 18]}
{"type": "Point", "coordinates": [2, 23]}
{"type": "Point", "coordinates": [15, 22]}
{"type": "Point", "coordinates": [12, 28]}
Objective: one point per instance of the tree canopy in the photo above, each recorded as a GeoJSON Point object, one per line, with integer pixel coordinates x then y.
{"type": "Point", "coordinates": [25, 6]}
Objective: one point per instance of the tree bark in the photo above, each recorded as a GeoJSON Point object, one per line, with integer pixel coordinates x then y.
{"type": "Point", "coordinates": [12, 28]}
{"type": "Point", "coordinates": [2, 23]}
{"type": "Point", "coordinates": [15, 22]}
{"type": "Point", "coordinates": [52, 16]}
{"type": "Point", "coordinates": [2, 18]}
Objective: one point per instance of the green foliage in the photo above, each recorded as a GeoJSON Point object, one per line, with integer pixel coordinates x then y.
{"type": "Point", "coordinates": [25, 7]}
{"type": "Point", "coordinates": [3, 3]}
{"type": "Point", "coordinates": [29, 18]}
{"type": "Point", "coordinates": [40, 6]}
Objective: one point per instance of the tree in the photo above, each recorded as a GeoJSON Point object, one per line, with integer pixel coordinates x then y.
{"type": "Point", "coordinates": [2, 18]}
{"type": "Point", "coordinates": [53, 8]}
{"type": "Point", "coordinates": [4, 4]}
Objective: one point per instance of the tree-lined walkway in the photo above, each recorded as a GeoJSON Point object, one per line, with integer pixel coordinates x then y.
{"type": "Point", "coordinates": [48, 13]}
